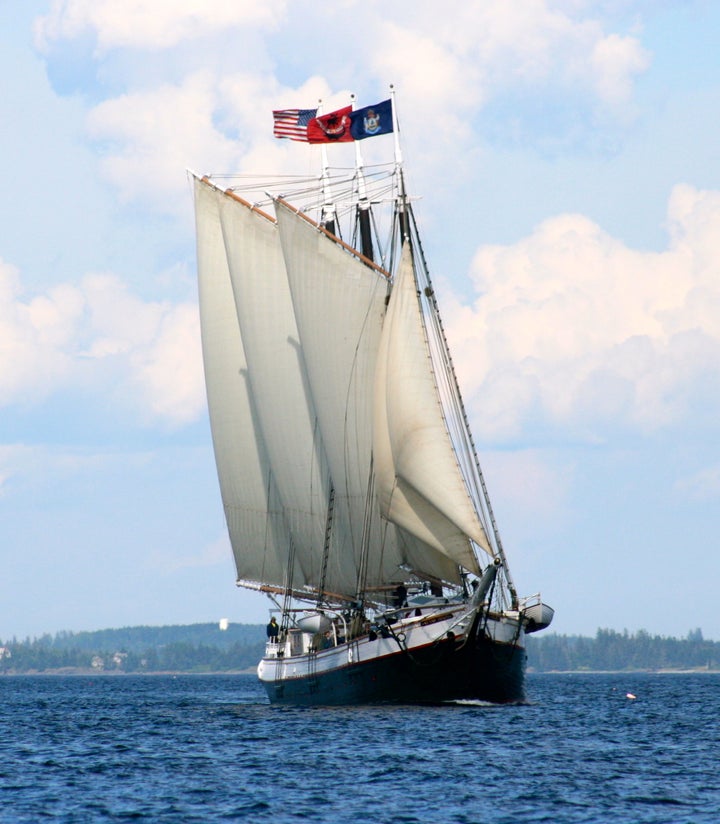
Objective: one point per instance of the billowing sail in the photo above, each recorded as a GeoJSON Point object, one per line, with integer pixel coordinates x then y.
{"type": "Point", "coordinates": [419, 484]}
{"type": "Point", "coordinates": [339, 306]}
{"type": "Point", "coordinates": [258, 533]}
{"type": "Point", "coordinates": [276, 377]}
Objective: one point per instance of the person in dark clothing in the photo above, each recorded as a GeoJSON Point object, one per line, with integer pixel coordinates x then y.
{"type": "Point", "coordinates": [272, 630]}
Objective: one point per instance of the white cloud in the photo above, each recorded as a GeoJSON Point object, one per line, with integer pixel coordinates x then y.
{"type": "Point", "coordinates": [563, 278]}
{"type": "Point", "coordinates": [151, 23]}
{"type": "Point", "coordinates": [457, 60]}
{"type": "Point", "coordinates": [573, 329]}
{"type": "Point", "coordinates": [614, 63]}
{"type": "Point", "coordinates": [152, 137]}
{"type": "Point", "coordinates": [34, 335]}
{"type": "Point", "coordinates": [169, 370]}
{"type": "Point", "coordinates": [152, 348]}
{"type": "Point", "coordinates": [97, 337]}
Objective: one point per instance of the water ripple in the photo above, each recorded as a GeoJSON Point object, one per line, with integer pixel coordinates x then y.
{"type": "Point", "coordinates": [202, 749]}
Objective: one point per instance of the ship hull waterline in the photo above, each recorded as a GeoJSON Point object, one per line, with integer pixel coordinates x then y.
{"type": "Point", "coordinates": [475, 667]}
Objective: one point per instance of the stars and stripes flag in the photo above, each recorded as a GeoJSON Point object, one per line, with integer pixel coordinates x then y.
{"type": "Point", "coordinates": [292, 123]}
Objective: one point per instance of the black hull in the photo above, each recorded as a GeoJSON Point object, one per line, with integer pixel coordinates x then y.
{"type": "Point", "coordinates": [484, 670]}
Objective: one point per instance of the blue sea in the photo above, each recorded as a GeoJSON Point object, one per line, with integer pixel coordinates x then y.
{"type": "Point", "coordinates": [210, 748]}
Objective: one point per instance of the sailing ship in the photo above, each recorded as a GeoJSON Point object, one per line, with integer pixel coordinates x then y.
{"type": "Point", "coordinates": [351, 486]}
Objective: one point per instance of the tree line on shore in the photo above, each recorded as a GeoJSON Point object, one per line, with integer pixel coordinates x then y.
{"type": "Point", "coordinates": [198, 648]}
{"type": "Point", "coordinates": [189, 648]}
{"type": "Point", "coordinates": [610, 650]}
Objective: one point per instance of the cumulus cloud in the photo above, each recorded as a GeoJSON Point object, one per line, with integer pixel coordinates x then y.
{"type": "Point", "coordinates": [34, 335]}
{"type": "Point", "coordinates": [151, 137]}
{"type": "Point", "coordinates": [474, 51]}
{"type": "Point", "coordinates": [151, 24]}
{"type": "Point", "coordinates": [573, 329]}
{"type": "Point", "coordinates": [169, 371]}
{"type": "Point", "coordinates": [152, 348]}
{"type": "Point", "coordinates": [614, 63]}
{"type": "Point", "coordinates": [97, 337]}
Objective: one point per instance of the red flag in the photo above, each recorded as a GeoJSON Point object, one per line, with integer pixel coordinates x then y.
{"type": "Point", "coordinates": [331, 128]}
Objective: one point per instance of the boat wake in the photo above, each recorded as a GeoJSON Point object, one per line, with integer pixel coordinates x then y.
{"type": "Point", "coordinates": [476, 702]}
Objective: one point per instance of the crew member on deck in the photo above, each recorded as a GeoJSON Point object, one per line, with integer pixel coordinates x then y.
{"type": "Point", "coordinates": [272, 630]}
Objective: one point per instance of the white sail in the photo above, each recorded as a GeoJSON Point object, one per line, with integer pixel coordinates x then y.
{"type": "Point", "coordinates": [419, 483]}
{"type": "Point", "coordinates": [258, 534]}
{"type": "Point", "coordinates": [276, 376]}
{"type": "Point", "coordinates": [340, 305]}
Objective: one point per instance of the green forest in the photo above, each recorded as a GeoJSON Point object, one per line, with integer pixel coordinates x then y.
{"type": "Point", "coordinates": [198, 648]}
{"type": "Point", "coordinates": [617, 651]}
{"type": "Point", "coordinates": [190, 648]}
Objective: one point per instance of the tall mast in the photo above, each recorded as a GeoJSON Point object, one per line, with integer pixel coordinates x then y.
{"type": "Point", "coordinates": [328, 210]}
{"type": "Point", "coordinates": [396, 129]}
{"type": "Point", "coordinates": [402, 203]}
{"type": "Point", "coordinates": [363, 209]}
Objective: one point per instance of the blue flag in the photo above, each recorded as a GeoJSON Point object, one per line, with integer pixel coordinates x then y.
{"type": "Point", "coordinates": [372, 120]}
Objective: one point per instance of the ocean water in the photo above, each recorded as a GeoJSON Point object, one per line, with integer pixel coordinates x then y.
{"type": "Point", "coordinates": [210, 748]}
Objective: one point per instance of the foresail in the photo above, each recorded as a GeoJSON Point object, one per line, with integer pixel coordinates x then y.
{"type": "Point", "coordinates": [419, 483]}
{"type": "Point", "coordinates": [258, 533]}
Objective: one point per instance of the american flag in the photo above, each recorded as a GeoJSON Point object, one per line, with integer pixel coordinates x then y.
{"type": "Point", "coordinates": [292, 123]}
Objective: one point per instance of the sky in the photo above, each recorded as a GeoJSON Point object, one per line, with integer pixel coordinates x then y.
{"type": "Point", "coordinates": [566, 160]}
